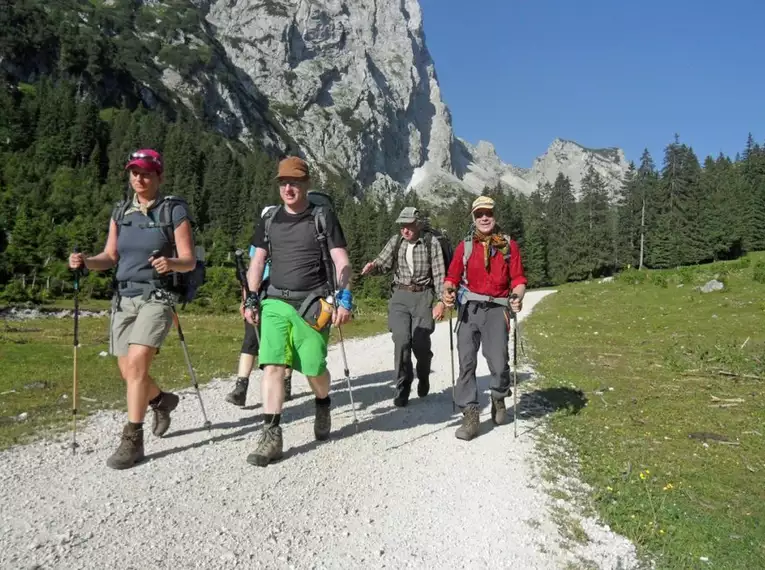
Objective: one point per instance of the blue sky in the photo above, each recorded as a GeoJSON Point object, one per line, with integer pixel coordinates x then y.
{"type": "Point", "coordinates": [601, 72]}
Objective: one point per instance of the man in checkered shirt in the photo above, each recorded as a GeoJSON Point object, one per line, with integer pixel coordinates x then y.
{"type": "Point", "coordinates": [415, 258]}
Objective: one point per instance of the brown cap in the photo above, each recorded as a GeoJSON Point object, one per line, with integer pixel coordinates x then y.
{"type": "Point", "coordinates": [293, 167]}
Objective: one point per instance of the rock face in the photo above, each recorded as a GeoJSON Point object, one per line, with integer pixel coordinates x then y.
{"type": "Point", "coordinates": [352, 85]}
{"type": "Point", "coordinates": [351, 82]}
{"type": "Point", "coordinates": [477, 167]}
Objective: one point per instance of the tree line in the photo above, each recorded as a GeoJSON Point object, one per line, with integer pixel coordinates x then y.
{"type": "Point", "coordinates": [62, 159]}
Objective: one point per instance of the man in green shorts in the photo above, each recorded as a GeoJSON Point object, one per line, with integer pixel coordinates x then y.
{"type": "Point", "coordinates": [295, 315]}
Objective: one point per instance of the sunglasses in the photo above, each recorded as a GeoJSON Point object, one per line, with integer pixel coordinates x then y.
{"type": "Point", "coordinates": [144, 156]}
{"type": "Point", "coordinates": [483, 214]}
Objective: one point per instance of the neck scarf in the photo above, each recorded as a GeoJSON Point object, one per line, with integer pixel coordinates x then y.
{"type": "Point", "coordinates": [493, 241]}
{"type": "Point", "coordinates": [144, 208]}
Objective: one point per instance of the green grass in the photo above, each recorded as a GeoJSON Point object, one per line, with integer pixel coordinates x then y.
{"type": "Point", "coordinates": [672, 437]}
{"type": "Point", "coordinates": [36, 364]}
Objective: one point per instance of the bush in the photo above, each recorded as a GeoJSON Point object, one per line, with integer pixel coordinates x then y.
{"type": "Point", "coordinates": [659, 279]}
{"type": "Point", "coordinates": [758, 272]}
{"type": "Point", "coordinates": [221, 291]}
{"type": "Point", "coordinates": [742, 263]}
{"type": "Point", "coordinates": [632, 276]}
{"type": "Point", "coordinates": [686, 275]}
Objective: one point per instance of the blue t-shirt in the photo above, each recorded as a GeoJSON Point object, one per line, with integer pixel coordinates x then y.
{"type": "Point", "coordinates": [138, 237]}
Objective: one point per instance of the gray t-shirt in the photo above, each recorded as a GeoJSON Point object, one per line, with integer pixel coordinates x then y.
{"type": "Point", "coordinates": [139, 235]}
{"type": "Point", "coordinates": [296, 263]}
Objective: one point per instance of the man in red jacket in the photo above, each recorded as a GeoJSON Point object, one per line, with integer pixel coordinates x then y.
{"type": "Point", "coordinates": [484, 272]}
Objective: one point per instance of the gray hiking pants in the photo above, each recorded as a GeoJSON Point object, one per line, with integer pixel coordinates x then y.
{"type": "Point", "coordinates": [482, 324]}
{"type": "Point", "coordinates": [410, 320]}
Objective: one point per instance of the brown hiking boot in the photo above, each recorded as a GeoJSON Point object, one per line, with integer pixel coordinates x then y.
{"type": "Point", "coordinates": [270, 447]}
{"type": "Point", "coordinates": [288, 386]}
{"type": "Point", "coordinates": [322, 423]}
{"type": "Point", "coordinates": [498, 411]}
{"type": "Point", "coordinates": [161, 423]}
{"type": "Point", "coordinates": [470, 424]}
{"type": "Point", "coordinates": [130, 450]}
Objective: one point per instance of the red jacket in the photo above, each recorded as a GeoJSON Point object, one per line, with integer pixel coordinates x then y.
{"type": "Point", "coordinates": [497, 281]}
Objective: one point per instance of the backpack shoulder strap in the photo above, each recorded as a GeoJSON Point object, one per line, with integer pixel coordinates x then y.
{"type": "Point", "coordinates": [428, 239]}
{"type": "Point", "coordinates": [320, 221]}
{"type": "Point", "coordinates": [396, 248]}
{"type": "Point", "coordinates": [118, 212]}
{"type": "Point", "coordinates": [466, 251]}
{"type": "Point", "coordinates": [268, 219]}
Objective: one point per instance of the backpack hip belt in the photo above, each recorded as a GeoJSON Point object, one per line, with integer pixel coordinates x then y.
{"type": "Point", "coordinates": [148, 288]}
{"type": "Point", "coordinates": [308, 299]}
{"type": "Point", "coordinates": [286, 294]}
{"type": "Point", "coordinates": [466, 296]}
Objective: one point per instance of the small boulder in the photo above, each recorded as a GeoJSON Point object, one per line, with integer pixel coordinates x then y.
{"type": "Point", "coordinates": [713, 285]}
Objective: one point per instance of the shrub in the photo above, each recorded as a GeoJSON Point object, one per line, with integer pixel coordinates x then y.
{"type": "Point", "coordinates": [632, 276]}
{"type": "Point", "coordinates": [758, 272]}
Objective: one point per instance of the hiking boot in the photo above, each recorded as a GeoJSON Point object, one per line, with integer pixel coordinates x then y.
{"type": "Point", "coordinates": [238, 396]}
{"type": "Point", "coordinates": [288, 387]}
{"type": "Point", "coordinates": [270, 447]}
{"type": "Point", "coordinates": [322, 423]}
{"type": "Point", "coordinates": [130, 450]}
{"type": "Point", "coordinates": [423, 387]}
{"type": "Point", "coordinates": [498, 411]}
{"type": "Point", "coordinates": [401, 396]}
{"type": "Point", "coordinates": [470, 424]}
{"type": "Point", "coordinates": [161, 423]}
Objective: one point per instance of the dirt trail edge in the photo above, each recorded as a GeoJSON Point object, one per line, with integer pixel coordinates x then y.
{"type": "Point", "coordinates": [403, 492]}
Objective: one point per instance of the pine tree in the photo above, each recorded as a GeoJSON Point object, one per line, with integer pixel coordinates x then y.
{"type": "Point", "coordinates": [534, 244]}
{"type": "Point", "coordinates": [591, 238]}
{"type": "Point", "coordinates": [560, 230]}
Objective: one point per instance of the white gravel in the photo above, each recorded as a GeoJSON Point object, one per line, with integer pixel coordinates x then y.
{"type": "Point", "coordinates": [401, 493]}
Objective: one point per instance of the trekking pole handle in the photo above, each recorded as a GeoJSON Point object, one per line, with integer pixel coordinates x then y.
{"type": "Point", "coordinates": [155, 254]}
{"type": "Point", "coordinates": [240, 273]}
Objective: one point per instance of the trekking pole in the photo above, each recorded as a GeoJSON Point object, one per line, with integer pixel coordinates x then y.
{"type": "Point", "coordinates": [348, 377]}
{"type": "Point", "coordinates": [193, 374]}
{"type": "Point", "coordinates": [451, 351]}
{"type": "Point", "coordinates": [76, 343]}
{"type": "Point", "coordinates": [515, 369]}
{"type": "Point", "coordinates": [241, 274]}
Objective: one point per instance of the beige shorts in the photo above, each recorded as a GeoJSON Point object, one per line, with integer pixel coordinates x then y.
{"type": "Point", "coordinates": [139, 322]}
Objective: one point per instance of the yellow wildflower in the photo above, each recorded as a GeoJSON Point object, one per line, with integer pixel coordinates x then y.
{"type": "Point", "coordinates": [669, 487]}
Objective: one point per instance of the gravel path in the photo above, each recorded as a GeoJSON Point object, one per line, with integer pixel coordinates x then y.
{"type": "Point", "coordinates": [401, 493]}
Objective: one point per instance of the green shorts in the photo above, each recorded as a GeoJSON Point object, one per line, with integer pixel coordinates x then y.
{"type": "Point", "coordinates": [286, 339]}
{"type": "Point", "coordinates": [139, 322]}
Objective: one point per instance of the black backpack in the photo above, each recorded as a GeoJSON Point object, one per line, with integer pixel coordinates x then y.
{"type": "Point", "coordinates": [447, 251]}
{"type": "Point", "coordinates": [320, 203]}
{"type": "Point", "coordinates": [185, 285]}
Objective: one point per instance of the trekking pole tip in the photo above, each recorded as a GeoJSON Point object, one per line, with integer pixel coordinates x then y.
{"type": "Point", "coordinates": [239, 252]}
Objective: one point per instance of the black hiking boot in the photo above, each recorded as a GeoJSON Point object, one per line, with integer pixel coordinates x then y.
{"type": "Point", "coordinates": [423, 387]}
{"type": "Point", "coordinates": [288, 386]}
{"type": "Point", "coordinates": [161, 422]}
{"type": "Point", "coordinates": [322, 423]}
{"type": "Point", "coordinates": [498, 411]}
{"type": "Point", "coordinates": [238, 396]}
{"type": "Point", "coordinates": [270, 447]}
{"type": "Point", "coordinates": [401, 395]}
{"type": "Point", "coordinates": [130, 450]}
{"type": "Point", "coordinates": [471, 424]}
